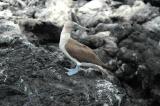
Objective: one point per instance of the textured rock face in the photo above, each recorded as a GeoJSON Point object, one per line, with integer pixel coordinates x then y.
{"type": "Point", "coordinates": [94, 11]}
{"type": "Point", "coordinates": [54, 12]}
{"type": "Point", "coordinates": [123, 33]}
{"type": "Point", "coordinates": [153, 25]}
{"type": "Point", "coordinates": [35, 76]}
{"type": "Point", "coordinates": [8, 31]}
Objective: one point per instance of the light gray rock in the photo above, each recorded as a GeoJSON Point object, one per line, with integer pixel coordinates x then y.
{"type": "Point", "coordinates": [94, 11]}
{"type": "Point", "coordinates": [5, 14]}
{"type": "Point", "coordinates": [146, 14]}
{"type": "Point", "coordinates": [56, 11]}
{"type": "Point", "coordinates": [9, 31]}
{"type": "Point", "coordinates": [127, 11]}
{"type": "Point", "coordinates": [3, 5]}
{"type": "Point", "coordinates": [153, 25]}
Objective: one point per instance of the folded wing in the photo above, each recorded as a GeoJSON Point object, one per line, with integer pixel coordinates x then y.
{"type": "Point", "coordinates": [82, 52]}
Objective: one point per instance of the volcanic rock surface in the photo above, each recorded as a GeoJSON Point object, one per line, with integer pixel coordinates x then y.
{"type": "Point", "coordinates": [123, 33]}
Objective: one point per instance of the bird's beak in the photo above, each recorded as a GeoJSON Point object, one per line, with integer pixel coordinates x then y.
{"type": "Point", "coordinates": [84, 28]}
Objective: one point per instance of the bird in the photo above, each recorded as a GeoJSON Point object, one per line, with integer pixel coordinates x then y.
{"type": "Point", "coordinates": [76, 51]}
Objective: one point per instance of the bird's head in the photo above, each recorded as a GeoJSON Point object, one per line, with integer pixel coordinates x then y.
{"type": "Point", "coordinates": [70, 25]}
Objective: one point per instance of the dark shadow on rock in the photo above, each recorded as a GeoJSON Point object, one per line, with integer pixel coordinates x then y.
{"type": "Point", "coordinates": [39, 31]}
{"type": "Point", "coordinates": [153, 2]}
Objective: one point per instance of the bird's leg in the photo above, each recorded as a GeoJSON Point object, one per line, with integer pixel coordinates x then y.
{"type": "Point", "coordinates": [95, 66]}
{"type": "Point", "coordinates": [73, 70]}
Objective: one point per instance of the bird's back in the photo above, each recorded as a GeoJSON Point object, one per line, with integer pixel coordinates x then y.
{"type": "Point", "coordinates": [82, 52]}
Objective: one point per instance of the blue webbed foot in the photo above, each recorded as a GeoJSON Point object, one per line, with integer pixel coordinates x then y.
{"type": "Point", "coordinates": [73, 70]}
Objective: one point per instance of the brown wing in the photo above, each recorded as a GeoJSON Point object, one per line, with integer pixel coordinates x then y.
{"type": "Point", "coordinates": [81, 52]}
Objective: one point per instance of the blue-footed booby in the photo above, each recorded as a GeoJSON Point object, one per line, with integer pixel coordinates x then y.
{"type": "Point", "coordinates": [77, 52]}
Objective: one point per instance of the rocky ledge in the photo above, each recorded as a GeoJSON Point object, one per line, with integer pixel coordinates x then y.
{"type": "Point", "coordinates": [123, 33]}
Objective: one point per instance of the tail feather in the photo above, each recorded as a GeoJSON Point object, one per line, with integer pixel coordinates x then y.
{"type": "Point", "coordinates": [107, 66]}
{"type": "Point", "coordinates": [100, 63]}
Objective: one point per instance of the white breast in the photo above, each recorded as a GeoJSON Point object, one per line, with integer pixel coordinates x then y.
{"type": "Point", "coordinates": [63, 40]}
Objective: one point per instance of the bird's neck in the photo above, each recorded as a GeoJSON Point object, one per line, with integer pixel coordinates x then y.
{"type": "Point", "coordinates": [65, 36]}
{"type": "Point", "coordinates": [66, 33]}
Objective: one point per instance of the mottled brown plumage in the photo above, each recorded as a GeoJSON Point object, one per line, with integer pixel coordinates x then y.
{"type": "Point", "coordinates": [82, 52]}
